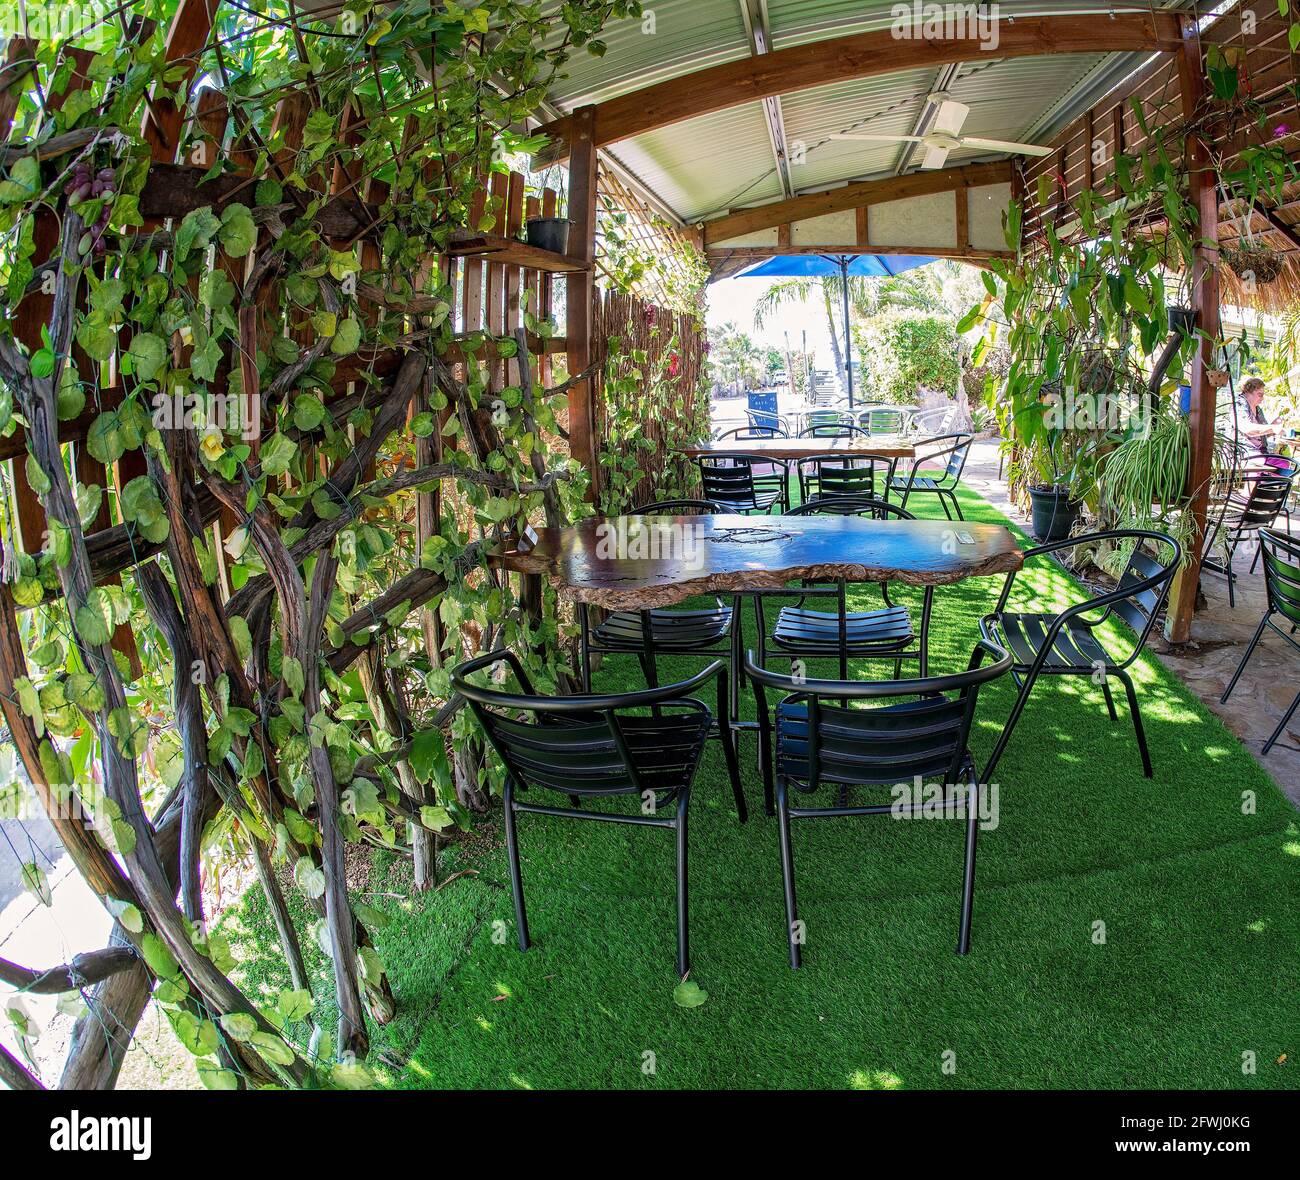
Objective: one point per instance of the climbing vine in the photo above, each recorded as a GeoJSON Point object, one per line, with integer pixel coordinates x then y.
{"type": "Point", "coordinates": [221, 287]}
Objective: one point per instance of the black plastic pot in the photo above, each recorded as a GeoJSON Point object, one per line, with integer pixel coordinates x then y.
{"type": "Point", "coordinates": [1181, 319]}
{"type": "Point", "coordinates": [1053, 513]}
{"type": "Point", "coordinates": [549, 233]}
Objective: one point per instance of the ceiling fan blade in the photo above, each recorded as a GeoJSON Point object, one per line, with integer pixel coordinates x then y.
{"type": "Point", "coordinates": [876, 138]}
{"type": "Point", "coordinates": [950, 117]}
{"type": "Point", "coordinates": [935, 157]}
{"type": "Point", "coordinates": [1002, 145]}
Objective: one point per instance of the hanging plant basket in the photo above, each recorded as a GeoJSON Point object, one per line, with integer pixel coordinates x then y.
{"type": "Point", "coordinates": [1263, 262]}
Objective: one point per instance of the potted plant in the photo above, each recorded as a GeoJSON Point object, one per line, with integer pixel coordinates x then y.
{"type": "Point", "coordinates": [548, 233]}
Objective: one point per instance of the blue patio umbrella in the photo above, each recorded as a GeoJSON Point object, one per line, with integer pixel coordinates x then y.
{"type": "Point", "coordinates": [810, 265]}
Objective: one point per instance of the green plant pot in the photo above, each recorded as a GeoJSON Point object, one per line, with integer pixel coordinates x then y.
{"type": "Point", "coordinates": [1053, 513]}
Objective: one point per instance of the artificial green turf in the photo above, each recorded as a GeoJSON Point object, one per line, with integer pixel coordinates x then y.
{"type": "Point", "coordinates": [1199, 895]}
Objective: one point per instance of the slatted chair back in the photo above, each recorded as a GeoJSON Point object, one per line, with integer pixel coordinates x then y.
{"type": "Point", "coordinates": [885, 419]}
{"type": "Point", "coordinates": [590, 744]}
{"type": "Point", "coordinates": [728, 481]}
{"type": "Point", "coordinates": [823, 738]}
{"type": "Point", "coordinates": [1267, 499]}
{"type": "Point", "coordinates": [840, 475]}
{"type": "Point", "coordinates": [1282, 573]}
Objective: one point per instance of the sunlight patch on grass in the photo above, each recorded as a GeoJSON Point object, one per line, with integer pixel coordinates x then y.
{"type": "Point", "coordinates": [874, 1079]}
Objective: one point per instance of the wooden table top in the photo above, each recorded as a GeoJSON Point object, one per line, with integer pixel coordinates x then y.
{"type": "Point", "coordinates": [891, 446]}
{"type": "Point", "coordinates": [640, 562]}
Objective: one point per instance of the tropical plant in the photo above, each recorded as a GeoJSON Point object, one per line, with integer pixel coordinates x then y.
{"type": "Point", "coordinates": [905, 351]}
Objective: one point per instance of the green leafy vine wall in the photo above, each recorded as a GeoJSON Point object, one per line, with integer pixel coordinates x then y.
{"type": "Point", "coordinates": [258, 472]}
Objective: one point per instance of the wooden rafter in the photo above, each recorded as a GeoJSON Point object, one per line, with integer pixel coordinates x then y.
{"type": "Point", "coordinates": [853, 196]}
{"type": "Point", "coordinates": [862, 55]}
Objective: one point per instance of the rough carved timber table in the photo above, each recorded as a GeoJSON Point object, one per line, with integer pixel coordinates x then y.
{"type": "Point", "coordinates": [642, 562]}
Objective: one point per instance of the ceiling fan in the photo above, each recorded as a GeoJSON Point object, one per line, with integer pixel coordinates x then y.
{"type": "Point", "coordinates": [944, 135]}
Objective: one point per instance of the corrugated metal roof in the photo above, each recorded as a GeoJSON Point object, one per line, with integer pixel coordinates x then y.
{"type": "Point", "coordinates": [723, 160]}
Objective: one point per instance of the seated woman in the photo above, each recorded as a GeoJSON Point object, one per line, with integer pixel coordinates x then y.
{"type": "Point", "coordinates": [1256, 430]}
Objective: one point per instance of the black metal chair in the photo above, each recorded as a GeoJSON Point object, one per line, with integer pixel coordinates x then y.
{"type": "Point", "coordinates": [745, 483]}
{"type": "Point", "coordinates": [844, 475]}
{"type": "Point", "coordinates": [949, 449]}
{"type": "Point", "coordinates": [1266, 501]}
{"type": "Point", "coordinates": [887, 633]}
{"type": "Point", "coordinates": [1065, 644]}
{"type": "Point", "coordinates": [644, 745]}
{"type": "Point", "coordinates": [1282, 582]}
{"type": "Point", "coordinates": [647, 633]}
{"type": "Point", "coordinates": [821, 739]}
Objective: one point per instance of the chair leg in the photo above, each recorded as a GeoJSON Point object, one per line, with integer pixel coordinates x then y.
{"type": "Point", "coordinates": [787, 875]}
{"type": "Point", "coordinates": [728, 739]}
{"type": "Point", "coordinates": [956, 505]}
{"type": "Point", "coordinates": [1005, 737]}
{"type": "Point", "coordinates": [512, 854]}
{"type": "Point", "coordinates": [1137, 722]}
{"type": "Point", "coordinates": [1281, 725]}
{"type": "Point", "coordinates": [584, 645]}
{"type": "Point", "coordinates": [765, 769]}
{"type": "Point", "coordinates": [1250, 651]}
{"type": "Point", "coordinates": [1254, 561]}
{"type": "Point", "coordinates": [943, 503]}
{"type": "Point", "coordinates": [683, 896]}
{"type": "Point", "coordinates": [968, 871]}
{"type": "Point", "coordinates": [1110, 700]}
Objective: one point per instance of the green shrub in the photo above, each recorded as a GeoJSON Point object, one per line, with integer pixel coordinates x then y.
{"type": "Point", "coordinates": [901, 350]}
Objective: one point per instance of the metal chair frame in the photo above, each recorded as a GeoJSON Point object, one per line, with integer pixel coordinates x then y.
{"type": "Point", "coordinates": [845, 477]}
{"type": "Point", "coordinates": [938, 720]}
{"type": "Point", "coordinates": [1136, 601]}
{"type": "Point", "coordinates": [1266, 502]}
{"type": "Point", "coordinates": [956, 448]}
{"type": "Point", "coordinates": [1282, 584]}
{"type": "Point", "coordinates": [619, 775]}
{"type": "Point", "coordinates": [845, 648]}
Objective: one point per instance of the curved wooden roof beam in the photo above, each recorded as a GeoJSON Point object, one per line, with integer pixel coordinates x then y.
{"type": "Point", "coordinates": [862, 55]}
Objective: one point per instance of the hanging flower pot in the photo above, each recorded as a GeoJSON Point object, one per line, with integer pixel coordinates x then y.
{"type": "Point", "coordinates": [1251, 259]}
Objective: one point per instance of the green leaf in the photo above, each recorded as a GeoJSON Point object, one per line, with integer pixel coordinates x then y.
{"type": "Point", "coordinates": [84, 691]}
{"type": "Point", "coordinates": [158, 958]}
{"type": "Point", "coordinates": [436, 819]}
{"type": "Point", "coordinates": [215, 1077]}
{"type": "Point", "coordinates": [37, 883]}
{"type": "Point", "coordinates": [272, 1048]}
{"type": "Point", "coordinates": [347, 337]}
{"type": "Point", "coordinates": [277, 454]}
{"type": "Point", "coordinates": [689, 994]}
{"type": "Point", "coordinates": [429, 758]}
{"type": "Point", "coordinates": [36, 476]}
{"type": "Point", "coordinates": [291, 670]}
{"type": "Point", "coordinates": [238, 232]}
{"type": "Point", "coordinates": [294, 1006]}
{"type": "Point", "coordinates": [309, 878]}
{"type": "Point", "coordinates": [195, 232]}
{"type": "Point", "coordinates": [308, 412]}
{"type": "Point", "coordinates": [239, 1026]}
{"type": "Point", "coordinates": [148, 354]}
{"type": "Point", "coordinates": [127, 914]}
{"type": "Point", "coordinates": [242, 637]}
{"type": "Point", "coordinates": [130, 730]}
{"type": "Point", "coordinates": [94, 618]}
